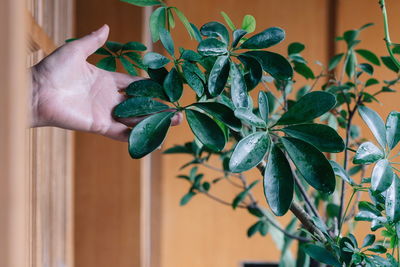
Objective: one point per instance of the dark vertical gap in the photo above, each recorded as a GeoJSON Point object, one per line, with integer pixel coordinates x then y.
{"type": "Point", "coordinates": [332, 26]}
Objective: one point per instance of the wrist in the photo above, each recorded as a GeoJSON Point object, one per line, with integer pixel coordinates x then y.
{"type": "Point", "coordinates": [35, 117]}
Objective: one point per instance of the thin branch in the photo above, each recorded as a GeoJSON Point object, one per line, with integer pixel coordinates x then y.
{"type": "Point", "coordinates": [219, 200]}
{"type": "Point", "coordinates": [387, 34]}
{"type": "Point", "coordinates": [226, 174]}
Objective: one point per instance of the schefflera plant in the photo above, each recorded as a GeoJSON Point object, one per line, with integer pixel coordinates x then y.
{"type": "Point", "coordinates": [277, 135]}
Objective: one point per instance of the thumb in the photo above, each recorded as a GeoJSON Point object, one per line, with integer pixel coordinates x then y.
{"type": "Point", "coordinates": [91, 42]}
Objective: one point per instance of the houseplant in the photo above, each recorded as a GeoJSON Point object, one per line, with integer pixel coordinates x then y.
{"type": "Point", "coordinates": [289, 134]}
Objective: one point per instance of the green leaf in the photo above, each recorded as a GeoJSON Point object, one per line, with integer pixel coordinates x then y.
{"type": "Point", "coordinates": [146, 88]}
{"type": "Point", "coordinates": [190, 73]}
{"type": "Point", "coordinates": [264, 39]}
{"type": "Point", "coordinates": [278, 182]}
{"type": "Point", "coordinates": [190, 55]}
{"type": "Point", "coordinates": [220, 112]}
{"type": "Point", "coordinates": [103, 51]}
{"type": "Point", "coordinates": [215, 29]}
{"type": "Point", "coordinates": [274, 64]}
{"type": "Point", "coordinates": [367, 68]}
{"type": "Point", "coordinates": [171, 19]}
{"type": "Point", "coordinates": [311, 163]}
{"type": "Point", "coordinates": [367, 153]}
{"type": "Point", "coordinates": [393, 129]}
{"type": "Point", "coordinates": [339, 171]}
{"type": "Point", "coordinates": [346, 255]}
{"type": "Point", "coordinates": [321, 254]}
{"type": "Point", "coordinates": [303, 70]}
{"type": "Point", "coordinates": [157, 75]}
{"type": "Point", "coordinates": [114, 46]}
{"type": "Point", "coordinates": [173, 85]}
{"type": "Point", "coordinates": [371, 81]}
{"type": "Point", "coordinates": [218, 76]}
{"type": "Point", "coordinates": [186, 198]}
{"type": "Point", "coordinates": [335, 61]}
{"type": "Point", "coordinates": [242, 195]}
{"type": "Point", "coordinates": [382, 176]}
{"type": "Point", "coordinates": [154, 60]}
{"type": "Point", "coordinates": [249, 23]}
{"type": "Point", "coordinates": [136, 46]}
{"type": "Point", "coordinates": [228, 21]}
{"type": "Point", "coordinates": [388, 62]}
{"type": "Point", "coordinates": [263, 106]}
{"type": "Point", "coordinates": [138, 106]}
{"type": "Point", "coordinates": [136, 58]}
{"type": "Point", "coordinates": [249, 152]}
{"type": "Point", "coordinates": [143, 2]}
{"type": "Point", "coordinates": [255, 72]}
{"type": "Point", "coordinates": [368, 55]}
{"type": "Point", "coordinates": [375, 124]}
{"type": "Point", "coordinates": [295, 48]}
{"type": "Point", "coordinates": [247, 116]}
{"type": "Point", "coordinates": [237, 36]}
{"type": "Point", "coordinates": [392, 204]}
{"type": "Point", "coordinates": [368, 240]}
{"type": "Point", "coordinates": [254, 229]}
{"type": "Point", "coordinates": [149, 134]}
{"type": "Point", "coordinates": [196, 32]}
{"type": "Point", "coordinates": [350, 64]}
{"type": "Point", "coordinates": [321, 136]}
{"type": "Point", "coordinates": [378, 249]}
{"type": "Point", "coordinates": [206, 130]}
{"type": "Point", "coordinates": [128, 66]}
{"type": "Point", "coordinates": [157, 22]}
{"type": "Point", "coordinates": [309, 107]}
{"type": "Point", "coordinates": [238, 87]}
{"type": "Point", "coordinates": [212, 47]}
{"type": "Point", "coordinates": [166, 40]}
{"type": "Point", "coordinates": [107, 63]}
{"type": "Point", "coordinates": [185, 22]}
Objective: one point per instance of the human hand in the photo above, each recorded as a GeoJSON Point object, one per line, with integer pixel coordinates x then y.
{"type": "Point", "coordinates": [70, 93]}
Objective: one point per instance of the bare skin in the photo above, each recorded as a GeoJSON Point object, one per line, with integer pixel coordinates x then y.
{"type": "Point", "coordinates": [70, 93]}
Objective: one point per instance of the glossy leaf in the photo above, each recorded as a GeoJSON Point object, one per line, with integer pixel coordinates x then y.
{"type": "Point", "coordinates": [382, 176]}
{"type": "Point", "coordinates": [367, 153]}
{"type": "Point", "coordinates": [157, 21]}
{"type": "Point", "coordinates": [350, 64]}
{"type": "Point", "coordinates": [220, 112]}
{"type": "Point", "coordinates": [265, 39]}
{"type": "Point", "coordinates": [367, 68]}
{"type": "Point", "coordinates": [186, 198]}
{"type": "Point", "coordinates": [388, 62]}
{"type": "Point", "coordinates": [311, 163]}
{"type": "Point", "coordinates": [228, 21]}
{"type": "Point", "coordinates": [321, 136]}
{"type": "Point", "coordinates": [393, 129]}
{"type": "Point", "coordinates": [247, 116]}
{"type": "Point", "coordinates": [218, 76]}
{"type": "Point", "coordinates": [190, 55]}
{"type": "Point", "coordinates": [173, 85]}
{"type": "Point", "coordinates": [149, 134]}
{"type": "Point", "coordinates": [295, 48]}
{"type": "Point", "coordinates": [206, 130]}
{"type": "Point", "coordinates": [138, 106]}
{"type": "Point", "coordinates": [274, 64]}
{"type": "Point", "coordinates": [114, 46]}
{"type": "Point", "coordinates": [146, 88]}
{"type": "Point", "coordinates": [212, 47]}
{"type": "Point", "coordinates": [335, 61]}
{"type": "Point", "coordinates": [189, 27]}
{"type": "Point", "coordinates": [237, 36]}
{"type": "Point", "coordinates": [309, 107]}
{"type": "Point", "coordinates": [107, 63]}
{"type": "Point", "coordinates": [215, 29]}
{"type": "Point", "coordinates": [190, 72]}
{"type": "Point", "coordinates": [128, 66]}
{"type": "Point", "coordinates": [102, 51]}
{"type": "Point", "coordinates": [157, 75]}
{"type": "Point", "coordinates": [249, 152]}
{"type": "Point", "coordinates": [263, 106]}
{"type": "Point", "coordinates": [303, 70]}
{"type": "Point", "coordinates": [255, 72]}
{"type": "Point", "coordinates": [392, 204]}
{"type": "Point", "coordinates": [136, 58]}
{"type": "Point", "coordinates": [154, 60]}
{"type": "Point", "coordinates": [375, 124]}
{"type": "Point", "coordinates": [339, 171]}
{"type": "Point", "coordinates": [368, 55]}
{"type": "Point", "coordinates": [143, 2]}
{"type": "Point", "coordinates": [278, 182]}
{"type": "Point", "coordinates": [371, 82]}
{"type": "Point", "coordinates": [166, 40]}
{"type": "Point", "coordinates": [136, 46]}
{"type": "Point", "coordinates": [321, 254]}
{"type": "Point", "coordinates": [368, 240]}
{"type": "Point", "coordinates": [238, 87]}
{"type": "Point", "coordinates": [249, 23]}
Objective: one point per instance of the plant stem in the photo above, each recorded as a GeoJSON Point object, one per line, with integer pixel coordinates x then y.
{"type": "Point", "coordinates": [306, 198]}
{"type": "Point", "coordinates": [387, 34]}
{"type": "Point", "coordinates": [347, 209]}
{"type": "Point", "coordinates": [221, 200]}
{"type": "Point", "coordinates": [286, 233]}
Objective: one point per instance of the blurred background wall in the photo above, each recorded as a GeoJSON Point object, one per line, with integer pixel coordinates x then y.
{"type": "Point", "coordinates": [125, 212]}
